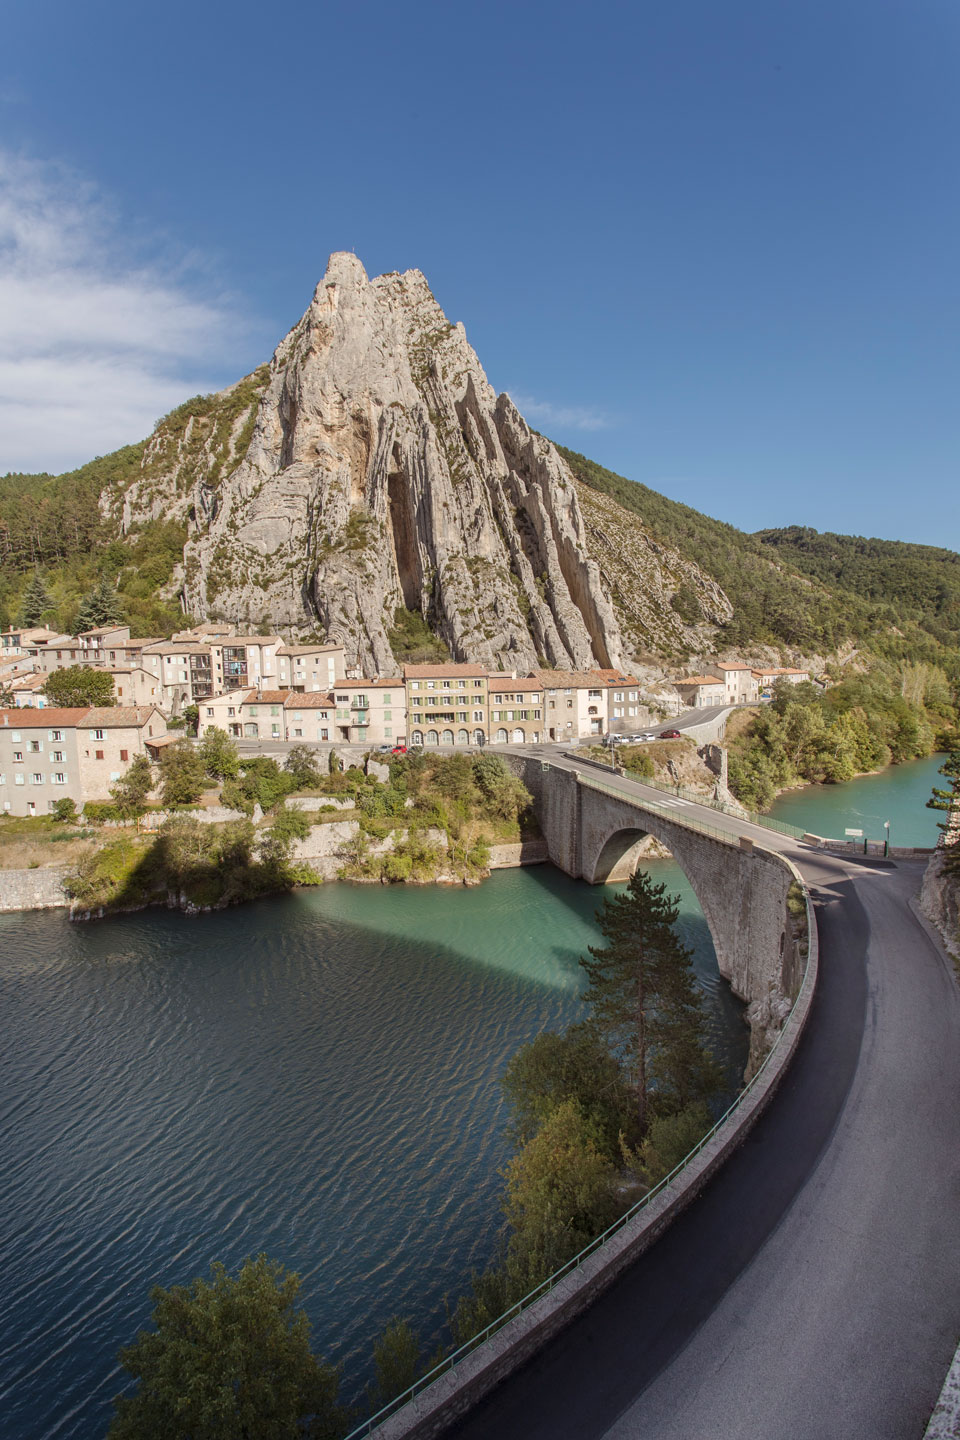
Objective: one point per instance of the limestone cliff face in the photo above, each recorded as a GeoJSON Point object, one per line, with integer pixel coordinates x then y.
{"type": "Point", "coordinates": [382, 472]}
{"type": "Point", "coordinates": [371, 466]}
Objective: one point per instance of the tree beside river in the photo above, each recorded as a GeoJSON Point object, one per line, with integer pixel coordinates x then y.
{"type": "Point", "coordinates": [864, 723]}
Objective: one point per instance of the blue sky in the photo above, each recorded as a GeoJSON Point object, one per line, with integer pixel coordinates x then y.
{"type": "Point", "coordinates": [712, 246]}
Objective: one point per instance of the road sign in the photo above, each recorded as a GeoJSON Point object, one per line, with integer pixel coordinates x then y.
{"type": "Point", "coordinates": [858, 833]}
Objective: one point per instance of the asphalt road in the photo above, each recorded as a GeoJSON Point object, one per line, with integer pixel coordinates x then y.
{"type": "Point", "coordinates": [813, 1290]}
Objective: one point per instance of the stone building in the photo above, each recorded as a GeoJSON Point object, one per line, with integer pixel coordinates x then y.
{"type": "Point", "coordinates": [77, 753]}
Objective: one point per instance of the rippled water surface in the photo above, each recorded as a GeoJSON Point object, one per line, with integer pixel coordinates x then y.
{"type": "Point", "coordinates": [313, 1076]}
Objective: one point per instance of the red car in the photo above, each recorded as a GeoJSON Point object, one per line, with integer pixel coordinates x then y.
{"type": "Point", "coordinates": [669, 734]}
{"type": "Point", "coordinates": [399, 750]}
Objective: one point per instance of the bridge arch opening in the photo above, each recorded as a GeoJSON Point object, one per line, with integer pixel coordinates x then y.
{"type": "Point", "coordinates": [619, 856]}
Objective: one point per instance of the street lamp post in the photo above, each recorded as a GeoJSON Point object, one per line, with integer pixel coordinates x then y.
{"type": "Point", "coordinates": [886, 842]}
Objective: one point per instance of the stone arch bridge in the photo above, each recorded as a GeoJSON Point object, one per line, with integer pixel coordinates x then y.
{"type": "Point", "coordinates": [595, 832]}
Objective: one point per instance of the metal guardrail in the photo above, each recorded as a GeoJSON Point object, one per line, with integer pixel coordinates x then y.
{"type": "Point", "coordinates": [366, 1427]}
{"type": "Point", "coordinates": [736, 812]}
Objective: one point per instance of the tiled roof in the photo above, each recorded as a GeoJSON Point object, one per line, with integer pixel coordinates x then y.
{"type": "Point", "coordinates": [521, 685]}
{"type": "Point", "coordinates": [581, 679]}
{"type": "Point", "coordinates": [699, 680]}
{"type": "Point", "coordinates": [448, 672]}
{"type": "Point", "coordinates": [27, 717]}
{"type": "Point", "coordinates": [313, 700]}
{"type": "Point", "coordinates": [307, 649]}
{"type": "Point", "coordinates": [113, 716]}
{"type": "Point", "coordinates": [246, 639]}
{"type": "Point", "coordinates": [176, 647]}
{"type": "Point", "coordinates": [266, 697]}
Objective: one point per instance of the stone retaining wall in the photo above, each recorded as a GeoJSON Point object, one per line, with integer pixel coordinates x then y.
{"type": "Point", "coordinates": [33, 889]}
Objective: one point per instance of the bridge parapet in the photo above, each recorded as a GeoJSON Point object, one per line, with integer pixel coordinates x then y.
{"type": "Point", "coordinates": [594, 832]}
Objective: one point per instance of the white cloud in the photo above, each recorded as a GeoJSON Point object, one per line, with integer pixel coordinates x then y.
{"type": "Point", "coordinates": [572, 417]}
{"type": "Point", "coordinates": [95, 341]}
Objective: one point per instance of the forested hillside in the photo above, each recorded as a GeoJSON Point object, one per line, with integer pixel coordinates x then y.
{"type": "Point", "coordinates": [921, 581]}
{"type": "Point", "coordinates": [810, 597]}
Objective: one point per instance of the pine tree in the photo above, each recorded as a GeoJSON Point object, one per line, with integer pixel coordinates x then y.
{"type": "Point", "coordinates": [645, 1002]}
{"type": "Point", "coordinates": [99, 607]}
{"type": "Point", "coordinates": [36, 599]}
{"type": "Point", "coordinates": [948, 800]}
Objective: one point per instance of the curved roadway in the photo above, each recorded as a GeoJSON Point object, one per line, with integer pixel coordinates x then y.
{"type": "Point", "coordinates": [813, 1290]}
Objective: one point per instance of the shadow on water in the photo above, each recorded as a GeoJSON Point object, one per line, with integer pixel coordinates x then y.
{"type": "Point", "coordinates": [314, 1075]}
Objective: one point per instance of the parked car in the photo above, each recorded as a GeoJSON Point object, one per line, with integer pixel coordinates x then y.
{"type": "Point", "coordinates": [669, 734]}
{"type": "Point", "coordinates": [397, 749]}
{"type": "Point", "coordinates": [647, 735]}
{"type": "Point", "coordinates": [387, 748]}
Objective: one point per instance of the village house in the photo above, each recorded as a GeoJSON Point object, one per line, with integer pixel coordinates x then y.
{"type": "Point", "coordinates": [516, 710]}
{"type": "Point", "coordinates": [447, 704]}
{"type": "Point", "coordinates": [699, 691]}
{"type": "Point", "coordinates": [53, 754]}
{"type": "Point", "coordinates": [241, 660]}
{"type": "Point", "coordinates": [184, 671]}
{"type": "Point", "coordinates": [767, 678]}
{"type": "Point", "coordinates": [740, 684]}
{"type": "Point", "coordinates": [625, 712]}
{"type": "Point", "coordinates": [575, 703]}
{"type": "Point", "coordinates": [310, 667]}
{"type": "Point", "coordinates": [27, 690]}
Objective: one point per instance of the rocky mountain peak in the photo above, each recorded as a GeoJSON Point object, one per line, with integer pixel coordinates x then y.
{"type": "Point", "coordinates": [374, 470]}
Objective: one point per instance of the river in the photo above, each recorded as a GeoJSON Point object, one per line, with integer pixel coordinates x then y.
{"type": "Point", "coordinates": [898, 794]}
{"type": "Point", "coordinates": [315, 1076]}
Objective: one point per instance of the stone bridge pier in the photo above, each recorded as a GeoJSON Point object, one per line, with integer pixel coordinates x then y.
{"type": "Point", "coordinates": [596, 836]}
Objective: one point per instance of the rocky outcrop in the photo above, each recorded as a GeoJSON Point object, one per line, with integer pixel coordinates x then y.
{"type": "Point", "coordinates": [371, 467]}
{"type": "Point", "coordinates": [940, 897]}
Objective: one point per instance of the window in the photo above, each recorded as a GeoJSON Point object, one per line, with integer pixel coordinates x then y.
{"type": "Point", "coordinates": [477, 715]}
{"type": "Point", "coordinates": [253, 710]}
{"type": "Point", "coordinates": [96, 734]}
{"type": "Point", "coordinates": [478, 684]}
{"type": "Point", "coordinates": [59, 778]}
{"type": "Point", "coordinates": [387, 700]}
{"type": "Point", "coordinates": [432, 685]}
{"type": "Point", "coordinates": [445, 685]}
{"type": "Point", "coordinates": [56, 735]}
{"type": "Point", "coordinates": [209, 709]}
{"type": "Point", "coordinates": [36, 778]}
{"type": "Point", "coordinates": [98, 754]}
{"type": "Point", "coordinates": [231, 710]}
{"type": "Point", "coordinates": [18, 755]}
{"type": "Point", "coordinates": [18, 778]}
{"type": "Point", "coordinates": [274, 709]}
{"type": "Point", "coordinates": [414, 684]}
{"type": "Point", "coordinates": [35, 747]}
{"type": "Point", "coordinates": [298, 732]}
{"type": "Point", "coordinates": [124, 755]}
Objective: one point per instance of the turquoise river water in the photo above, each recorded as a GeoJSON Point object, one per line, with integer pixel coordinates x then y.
{"type": "Point", "coordinates": [315, 1076]}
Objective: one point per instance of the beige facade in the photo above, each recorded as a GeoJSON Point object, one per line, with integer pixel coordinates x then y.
{"type": "Point", "coordinates": [447, 704]}
{"type": "Point", "coordinates": [766, 679]}
{"type": "Point", "coordinates": [699, 691]}
{"type": "Point", "coordinates": [740, 684]}
{"type": "Point", "coordinates": [184, 671]}
{"type": "Point", "coordinates": [314, 668]}
{"type": "Point", "coordinates": [575, 703]}
{"type": "Point", "coordinates": [77, 754]}
{"type": "Point", "coordinates": [241, 660]}
{"type": "Point", "coordinates": [516, 711]}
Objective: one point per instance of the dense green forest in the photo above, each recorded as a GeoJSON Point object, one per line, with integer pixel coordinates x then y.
{"type": "Point", "coordinates": [901, 602]}
{"type": "Point", "coordinates": [921, 581]}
